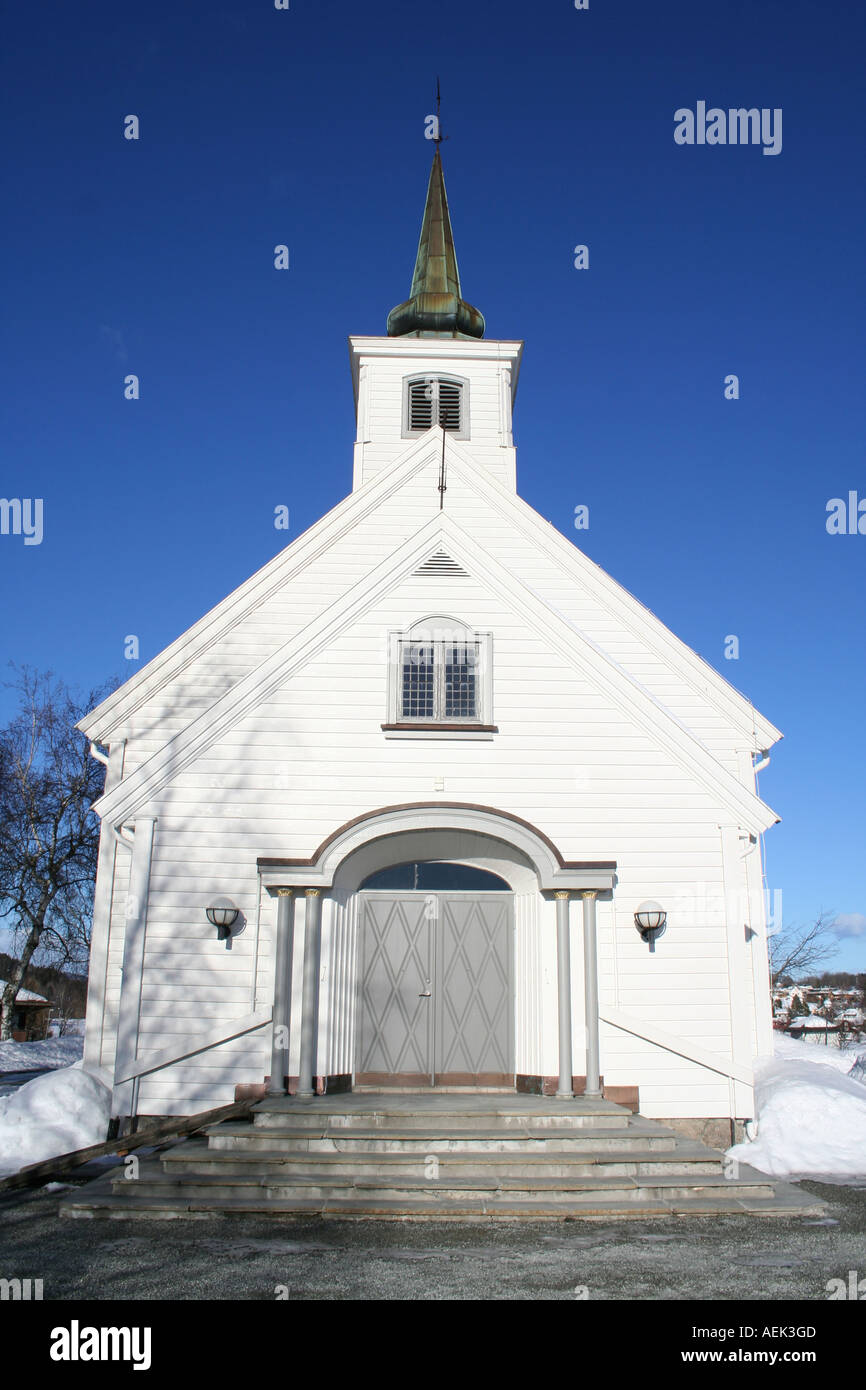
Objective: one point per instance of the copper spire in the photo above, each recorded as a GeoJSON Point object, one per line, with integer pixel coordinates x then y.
{"type": "Point", "coordinates": [434, 307]}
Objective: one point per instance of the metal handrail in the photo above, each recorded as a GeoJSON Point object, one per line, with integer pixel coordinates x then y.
{"type": "Point", "coordinates": [693, 1052]}
{"type": "Point", "coordinates": [135, 1068]}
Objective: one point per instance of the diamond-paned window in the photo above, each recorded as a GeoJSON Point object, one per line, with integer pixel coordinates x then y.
{"type": "Point", "coordinates": [460, 662]}
{"type": "Point", "coordinates": [419, 681]}
{"type": "Point", "coordinates": [440, 674]}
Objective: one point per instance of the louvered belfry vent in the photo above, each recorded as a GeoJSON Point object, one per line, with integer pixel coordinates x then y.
{"type": "Point", "coordinates": [431, 400]}
{"type": "Point", "coordinates": [440, 562]}
{"type": "Point", "coordinates": [420, 405]}
{"type": "Point", "coordinates": [449, 406]}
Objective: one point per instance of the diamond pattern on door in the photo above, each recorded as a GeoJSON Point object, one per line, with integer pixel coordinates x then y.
{"type": "Point", "coordinates": [396, 1023]}
{"type": "Point", "coordinates": [457, 946]}
{"type": "Point", "coordinates": [474, 987]}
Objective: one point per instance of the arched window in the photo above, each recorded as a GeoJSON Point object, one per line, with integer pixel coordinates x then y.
{"type": "Point", "coordinates": [440, 675]}
{"type": "Point", "coordinates": [435, 400]}
{"type": "Point", "coordinates": [437, 876]}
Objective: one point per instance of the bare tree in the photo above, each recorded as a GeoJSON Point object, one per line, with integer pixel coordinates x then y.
{"type": "Point", "coordinates": [796, 949]}
{"type": "Point", "coordinates": [49, 837]}
{"type": "Point", "coordinates": [65, 1004]}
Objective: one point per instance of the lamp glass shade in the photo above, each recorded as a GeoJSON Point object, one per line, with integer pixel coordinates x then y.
{"type": "Point", "coordinates": [222, 913]}
{"type": "Point", "coordinates": [650, 917]}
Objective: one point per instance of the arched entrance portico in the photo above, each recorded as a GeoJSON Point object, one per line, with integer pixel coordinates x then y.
{"type": "Point", "coordinates": [468, 835]}
{"type": "Point", "coordinates": [435, 969]}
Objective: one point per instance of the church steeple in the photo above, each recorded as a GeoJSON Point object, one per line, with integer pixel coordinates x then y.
{"type": "Point", "coordinates": [435, 308]}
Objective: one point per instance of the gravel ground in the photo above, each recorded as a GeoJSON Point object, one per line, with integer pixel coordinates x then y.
{"type": "Point", "coordinates": [242, 1258]}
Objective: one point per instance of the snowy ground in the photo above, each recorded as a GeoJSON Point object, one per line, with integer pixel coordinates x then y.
{"type": "Point", "coordinates": [63, 1110]}
{"type": "Point", "coordinates": [811, 1109]}
{"type": "Point", "coordinates": [34, 1056]}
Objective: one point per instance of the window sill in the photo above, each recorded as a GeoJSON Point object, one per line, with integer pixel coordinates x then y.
{"type": "Point", "coordinates": [421, 730]}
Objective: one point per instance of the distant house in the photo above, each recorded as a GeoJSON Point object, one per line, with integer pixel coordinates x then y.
{"type": "Point", "coordinates": [814, 1029]}
{"type": "Point", "coordinates": [30, 1020]}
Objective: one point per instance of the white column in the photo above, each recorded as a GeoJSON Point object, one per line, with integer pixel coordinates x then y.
{"type": "Point", "coordinates": [283, 950]}
{"type": "Point", "coordinates": [565, 1089]}
{"type": "Point", "coordinates": [590, 978]}
{"type": "Point", "coordinates": [310, 1006]}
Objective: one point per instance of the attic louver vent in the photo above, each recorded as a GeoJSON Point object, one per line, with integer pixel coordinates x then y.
{"type": "Point", "coordinates": [440, 562]}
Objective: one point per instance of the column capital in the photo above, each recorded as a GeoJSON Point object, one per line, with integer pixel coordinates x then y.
{"type": "Point", "coordinates": [312, 892]}
{"type": "Point", "coordinates": [589, 892]}
{"type": "Point", "coordinates": [562, 893]}
{"type": "Point", "coordinates": [285, 892]}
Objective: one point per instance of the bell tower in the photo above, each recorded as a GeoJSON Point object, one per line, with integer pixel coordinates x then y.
{"type": "Point", "coordinates": [434, 369]}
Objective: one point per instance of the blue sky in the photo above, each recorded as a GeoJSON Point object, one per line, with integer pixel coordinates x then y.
{"type": "Point", "coordinates": [305, 127]}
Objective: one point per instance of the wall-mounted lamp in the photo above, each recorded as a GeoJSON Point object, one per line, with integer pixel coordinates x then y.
{"type": "Point", "coordinates": [650, 920]}
{"type": "Point", "coordinates": [222, 914]}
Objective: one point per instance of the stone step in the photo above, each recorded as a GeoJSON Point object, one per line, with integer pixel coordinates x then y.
{"type": "Point", "coordinates": [787, 1201]}
{"type": "Point", "coordinates": [426, 1091]}
{"type": "Point", "coordinates": [445, 1119]}
{"type": "Point", "coordinates": [568, 1191]}
{"type": "Point", "coordinates": [255, 1138]}
{"type": "Point", "coordinates": [687, 1158]}
{"type": "Point", "coordinates": [500, 1157]}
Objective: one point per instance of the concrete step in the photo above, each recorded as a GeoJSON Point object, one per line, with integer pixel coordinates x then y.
{"type": "Point", "coordinates": [452, 1112]}
{"type": "Point", "coordinates": [785, 1202]}
{"type": "Point", "coordinates": [498, 1157]}
{"type": "Point", "coordinates": [394, 1140]}
{"type": "Point", "coordinates": [568, 1191]}
{"type": "Point", "coordinates": [687, 1159]}
{"type": "Point", "coordinates": [426, 1091]}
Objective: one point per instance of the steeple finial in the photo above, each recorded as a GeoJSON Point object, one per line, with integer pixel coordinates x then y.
{"type": "Point", "coordinates": [438, 137]}
{"type": "Point", "coordinates": [435, 307]}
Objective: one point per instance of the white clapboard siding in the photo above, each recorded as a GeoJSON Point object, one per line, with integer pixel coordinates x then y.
{"type": "Point", "coordinates": [612, 738]}
{"type": "Point", "coordinates": [276, 619]}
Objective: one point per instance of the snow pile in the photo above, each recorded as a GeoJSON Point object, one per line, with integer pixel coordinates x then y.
{"type": "Point", "coordinates": [30, 1056]}
{"type": "Point", "coordinates": [64, 1110]}
{"type": "Point", "coordinates": [842, 1059]}
{"type": "Point", "coordinates": [811, 1113]}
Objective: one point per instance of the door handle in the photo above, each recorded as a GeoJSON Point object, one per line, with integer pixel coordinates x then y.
{"type": "Point", "coordinates": [425, 994]}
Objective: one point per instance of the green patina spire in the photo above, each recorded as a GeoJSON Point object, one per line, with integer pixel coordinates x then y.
{"type": "Point", "coordinates": [434, 307]}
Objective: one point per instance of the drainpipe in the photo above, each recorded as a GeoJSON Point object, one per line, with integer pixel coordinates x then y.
{"type": "Point", "coordinates": [128, 841]}
{"type": "Point", "coordinates": [129, 1015]}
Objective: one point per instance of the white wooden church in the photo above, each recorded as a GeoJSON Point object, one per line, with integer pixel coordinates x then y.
{"type": "Point", "coordinates": [430, 800]}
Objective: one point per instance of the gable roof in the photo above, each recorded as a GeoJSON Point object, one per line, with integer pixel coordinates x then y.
{"type": "Point", "coordinates": [685, 663]}
{"type": "Point", "coordinates": [102, 721]}
{"type": "Point", "coordinates": [441, 530]}
{"type": "Point", "coordinates": [703, 678]}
